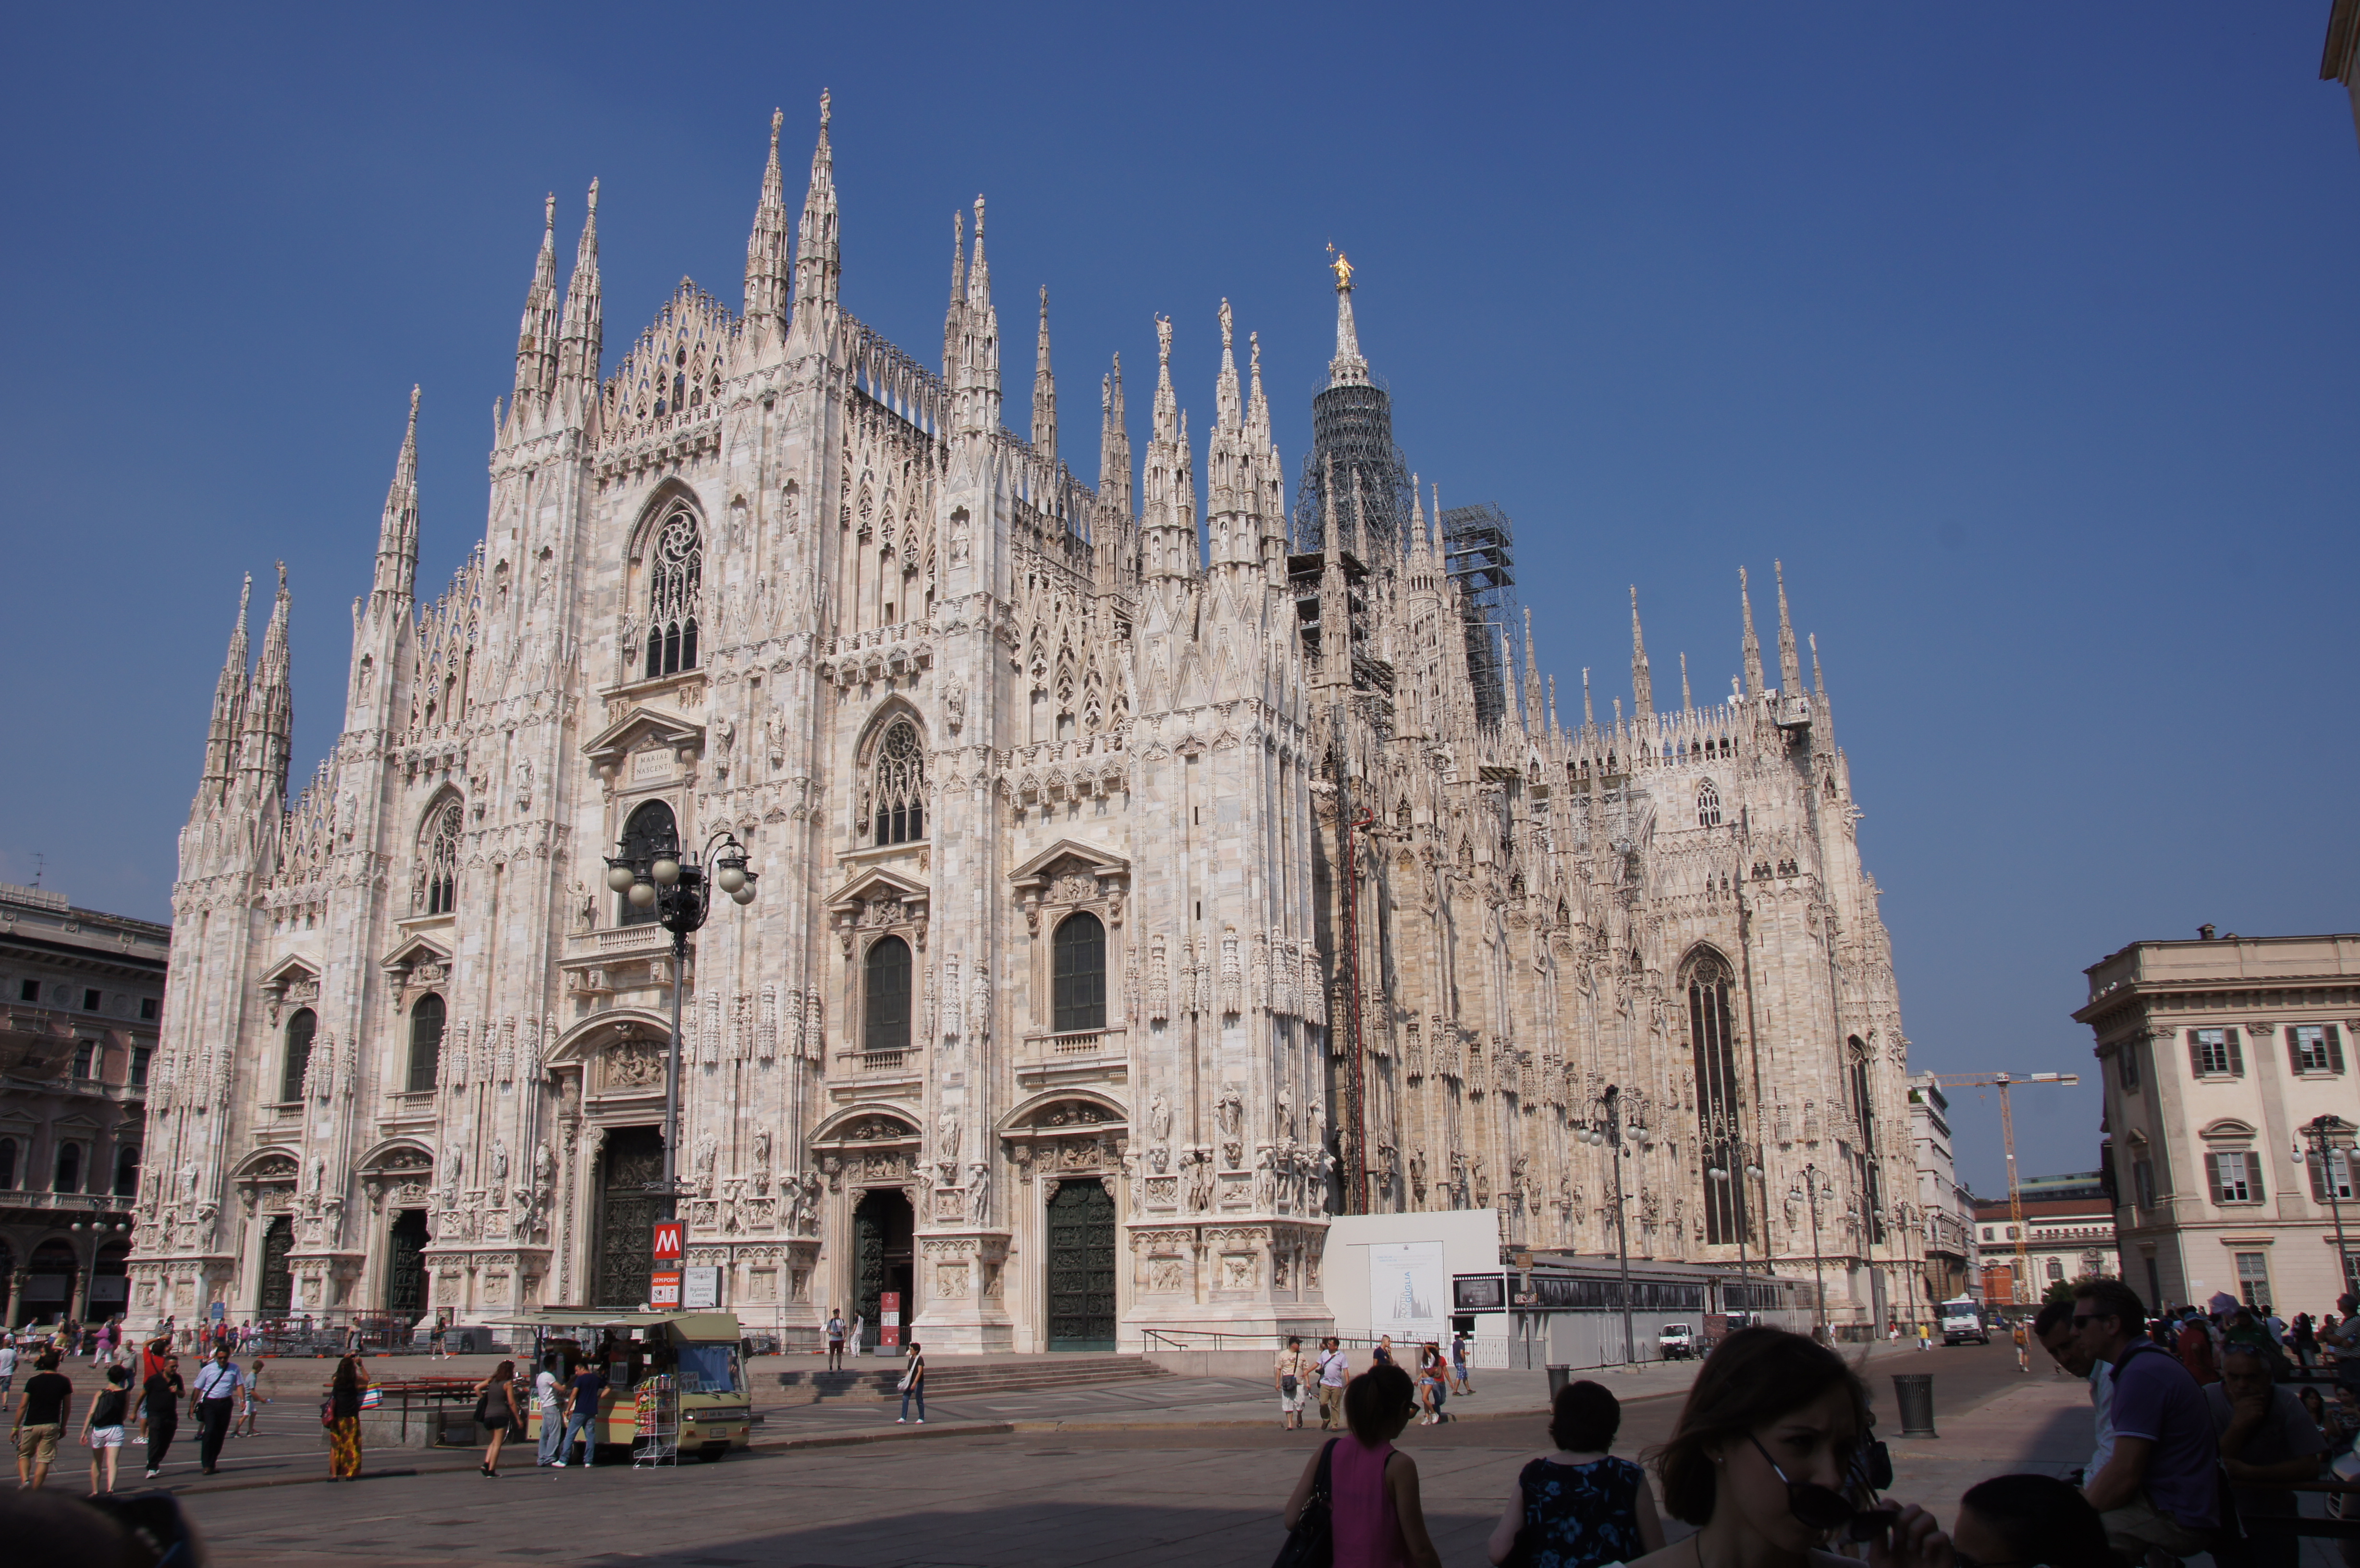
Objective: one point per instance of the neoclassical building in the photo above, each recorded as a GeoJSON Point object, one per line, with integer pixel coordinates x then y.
{"type": "Point", "coordinates": [1149, 870]}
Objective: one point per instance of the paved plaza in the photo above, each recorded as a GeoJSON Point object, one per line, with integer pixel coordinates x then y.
{"type": "Point", "coordinates": [1178, 1471]}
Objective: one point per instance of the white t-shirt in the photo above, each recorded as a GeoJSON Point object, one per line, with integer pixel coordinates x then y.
{"type": "Point", "coordinates": [216, 1380]}
{"type": "Point", "coordinates": [7, 1360]}
{"type": "Point", "coordinates": [1333, 1365]}
{"type": "Point", "coordinates": [544, 1390]}
{"type": "Point", "coordinates": [2102, 1405]}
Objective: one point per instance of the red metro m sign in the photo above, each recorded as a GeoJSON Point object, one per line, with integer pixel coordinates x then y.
{"type": "Point", "coordinates": [667, 1241]}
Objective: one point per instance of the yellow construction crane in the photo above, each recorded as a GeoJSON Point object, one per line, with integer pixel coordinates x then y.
{"type": "Point", "coordinates": [2002, 1080]}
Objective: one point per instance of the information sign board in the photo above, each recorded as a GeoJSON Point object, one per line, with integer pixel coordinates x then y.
{"type": "Point", "coordinates": [663, 1289]}
{"type": "Point", "coordinates": [701, 1288]}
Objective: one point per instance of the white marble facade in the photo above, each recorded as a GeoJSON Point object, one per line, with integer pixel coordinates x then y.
{"type": "Point", "coordinates": [1049, 789]}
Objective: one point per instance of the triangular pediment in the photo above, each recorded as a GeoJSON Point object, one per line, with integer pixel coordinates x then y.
{"type": "Point", "coordinates": [643, 729]}
{"type": "Point", "coordinates": [879, 883]}
{"type": "Point", "coordinates": [1095, 862]}
{"type": "Point", "coordinates": [290, 970]}
{"type": "Point", "coordinates": [415, 952]}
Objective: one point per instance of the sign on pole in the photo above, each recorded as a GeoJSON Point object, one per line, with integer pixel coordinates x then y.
{"type": "Point", "coordinates": [888, 1318]}
{"type": "Point", "coordinates": [701, 1289]}
{"type": "Point", "coordinates": [667, 1241]}
{"type": "Point", "coordinates": [663, 1289]}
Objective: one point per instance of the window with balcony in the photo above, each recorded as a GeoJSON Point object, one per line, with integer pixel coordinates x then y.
{"type": "Point", "coordinates": [649, 827]}
{"type": "Point", "coordinates": [1079, 982]}
{"type": "Point", "coordinates": [297, 1061]}
{"type": "Point", "coordinates": [425, 1044]}
{"type": "Point", "coordinates": [85, 1059]}
{"type": "Point", "coordinates": [126, 1173]}
{"type": "Point", "coordinates": [68, 1176]}
{"type": "Point", "coordinates": [885, 996]}
{"type": "Point", "coordinates": [8, 1164]}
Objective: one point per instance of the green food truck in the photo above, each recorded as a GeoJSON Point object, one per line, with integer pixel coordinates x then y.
{"type": "Point", "coordinates": [711, 1409]}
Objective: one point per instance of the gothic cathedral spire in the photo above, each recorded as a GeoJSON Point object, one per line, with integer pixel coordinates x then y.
{"type": "Point", "coordinates": [1114, 444]}
{"type": "Point", "coordinates": [767, 282]}
{"type": "Point", "coordinates": [1044, 393]}
{"type": "Point", "coordinates": [397, 533]}
{"type": "Point", "coordinates": [269, 727]}
{"type": "Point", "coordinates": [819, 263]}
{"type": "Point", "coordinates": [1790, 665]}
{"type": "Point", "coordinates": [1643, 684]}
{"type": "Point", "coordinates": [229, 710]}
{"type": "Point", "coordinates": [536, 371]}
{"type": "Point", "coordinates": [580, 336]}
{"type": "Point", "coordinates": [1753, 643]}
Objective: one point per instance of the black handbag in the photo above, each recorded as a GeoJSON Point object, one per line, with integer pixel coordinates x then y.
{"type": "Point", "coordinates": [1312, 1542]}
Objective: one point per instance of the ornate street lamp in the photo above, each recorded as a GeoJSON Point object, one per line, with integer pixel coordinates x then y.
{"type": "Point", "coordinates": [680, 892]}
{"type": "Point", "coordinates": [1605, 1128]}
{"type": "Point", "coordinates": [2324, 1131]}
{"type": "Point", "coordinates": [1819, 1280]}
{"type": "Point", "coordinates": [1734, 1158]}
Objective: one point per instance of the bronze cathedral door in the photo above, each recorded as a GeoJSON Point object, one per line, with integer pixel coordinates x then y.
{"type": "Point", "coordinates": [626, 1216]}
{"type": "Point", "coordinates": [1081, 1267]}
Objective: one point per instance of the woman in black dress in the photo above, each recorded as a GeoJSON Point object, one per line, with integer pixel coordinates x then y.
{"type": "Point", "coordinates": [496, 1409]}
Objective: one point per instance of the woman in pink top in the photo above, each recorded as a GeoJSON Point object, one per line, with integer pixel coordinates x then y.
{"type": "Point", "coordinates": [1371, 1488]}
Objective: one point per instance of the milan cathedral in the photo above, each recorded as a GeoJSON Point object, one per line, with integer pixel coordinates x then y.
{"type": "Point", "coordinates": [1141, 881]}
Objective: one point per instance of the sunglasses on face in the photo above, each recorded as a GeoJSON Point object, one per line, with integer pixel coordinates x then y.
{"type": "Point", "coordinates": [1824, 1507]}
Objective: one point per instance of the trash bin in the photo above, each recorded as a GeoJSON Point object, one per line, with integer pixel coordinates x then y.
{"type": "Point", "coordinates": [1558, 1377]}
{"type": "Point", "coordinates": [1914, 1392]}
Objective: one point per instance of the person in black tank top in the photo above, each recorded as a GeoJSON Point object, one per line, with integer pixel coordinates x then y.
{"type": "Point", "coordinates": [102, 1429]}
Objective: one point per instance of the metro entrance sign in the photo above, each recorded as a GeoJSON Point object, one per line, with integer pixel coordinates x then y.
{"type": "Point", "coordinates": [663, 1289]}
{"type": "Point", "coordinates": [667, 1248]}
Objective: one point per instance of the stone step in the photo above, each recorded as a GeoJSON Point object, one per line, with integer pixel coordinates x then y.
{"type": "Point", "coordinates": [949, 1379]}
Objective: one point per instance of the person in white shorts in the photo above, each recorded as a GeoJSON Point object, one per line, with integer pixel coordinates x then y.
{"type": "Point", "coordinates": [102, 1429]}
{"type": "Point", "coordinates": [1292, 1378]}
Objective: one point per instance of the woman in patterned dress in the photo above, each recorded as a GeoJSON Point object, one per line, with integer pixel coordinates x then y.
{"type": "Point", "coordinates": [344, 1420]}
{"type": "Point", "coordinates": [1579, 1507]}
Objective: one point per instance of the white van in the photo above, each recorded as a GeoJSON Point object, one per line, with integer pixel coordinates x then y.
{"type": "Point", "coordinates": [1962, 1320]}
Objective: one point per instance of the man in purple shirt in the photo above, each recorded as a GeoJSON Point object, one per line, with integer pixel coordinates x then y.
{"type": "Point", "coordinates": [2160, 1487]}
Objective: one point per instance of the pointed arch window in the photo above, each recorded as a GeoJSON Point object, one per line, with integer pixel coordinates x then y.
{"type": "Point", "coordinates": [1079, 978]}
{"type": "Point", "coordinates": [297, 1061]}
{"type": "Point", "coordinates": [425, 1044]}
{"type": "Point", "coordinates": [649, 828]}
{"type": "Point", "coordinates": [885, 996]}
{"type": "Point", "coordinates": [438, 859]}
{"type": "Point", "coordinates": [1713, 1047]}
{"type": "Point", "coordinates": [896, 787]}
{"type": "Point", "coordinates": [1708, 805]}
{"type": "Point", "coordinates": [675, 574]}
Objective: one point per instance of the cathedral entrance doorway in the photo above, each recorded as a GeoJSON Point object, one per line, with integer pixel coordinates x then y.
{"type": "Point", "coordinates": [626, 1216]}
{"type": "Point", "coordinates": [405, 1266]}
{"type": "Point", "coordinates": [277, 1286]}
{"type": "Point", "coordinates": [1081, 1267]}
{"type": "Point", "coordinates": [883, 1257]}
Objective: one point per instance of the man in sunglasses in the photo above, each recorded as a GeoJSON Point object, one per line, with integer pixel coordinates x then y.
{"type": "Point", "coordinates": [2159, 1488]}
{"type": "Point", "coordinates": [2054, 1329]}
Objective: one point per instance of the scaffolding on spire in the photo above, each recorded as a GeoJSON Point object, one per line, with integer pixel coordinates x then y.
{"type": "Point", "coordinates": [1479, 545]}
{"type": "Point", "coordinates": [1353, 434]}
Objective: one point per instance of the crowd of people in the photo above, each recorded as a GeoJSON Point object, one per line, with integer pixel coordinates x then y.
{"type": "Point", "coordinates": [2198, 1441]}
{"type": "Point", "coordinates": [140, 1389]}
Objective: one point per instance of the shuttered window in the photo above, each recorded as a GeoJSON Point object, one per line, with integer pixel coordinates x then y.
{"type": "Point", "coordinates": [2215, 1054]}
{"type": "Point", "coordinates": [2315, 1048]}
{"type": "Point", "coordinates": [2236, 1177]}
{"type": "Point", "coordinates": [2331, 1177]}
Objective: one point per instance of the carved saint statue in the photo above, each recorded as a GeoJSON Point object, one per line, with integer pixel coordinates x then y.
{"type": "Point", "coordinates": [761, 1149]}
{"type": "Point", "coordinates": [979, 1193]}
{"type": "Point", "coordinates": [946, 1134]}
{"type": "Point", "coordinates": [544, 1163]}
{"type": "Point", "coordinates": [1230, 1110]}
{"type": "Point", "coordinates": [1159, 1118]}
{"type": "Point", "coordinates": [499, 1160]}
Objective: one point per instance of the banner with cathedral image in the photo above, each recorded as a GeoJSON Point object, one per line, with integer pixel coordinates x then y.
{"type": "Point", "coordinates": [1409, 1290]}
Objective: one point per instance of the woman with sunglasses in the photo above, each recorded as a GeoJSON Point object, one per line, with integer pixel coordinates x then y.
{"type": "Point", "coordinates": [1762, 1447]}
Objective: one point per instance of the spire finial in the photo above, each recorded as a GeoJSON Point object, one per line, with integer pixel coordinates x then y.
{"type": "Point", "coordinates": [1753, 644]}
{"type": "Point", "coordinates": [1589, 717]}
{"type": "Point", "coordinates": [1643, 684]}
{"type": "Point", "coordinates": [1790, 668]}
{"type": "Point", "coordinates": [582, 331]}
{"type": "Point", "coordinates": [1687, 701]}
{"type": "Point", "coordinates": [1045, 392]}
{"type": "Point", "coordinates": [819, 262]}
{"type": "Point", "coordinates": [548, 216]}
{"type": "Point", "coordinates": [824, 112]}
{"type": "Point", "coordinates": [1819, 685]}
{"type": "Point", "coordinates": [777, 118]}
{"type": "Point", "coordinates": [1347, 368]}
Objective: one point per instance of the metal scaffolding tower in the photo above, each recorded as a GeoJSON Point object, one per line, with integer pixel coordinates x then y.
{"type": "Point", "coordinates": [1478, 552]}
{"type": "Point", "coordinates": [1352, 429]}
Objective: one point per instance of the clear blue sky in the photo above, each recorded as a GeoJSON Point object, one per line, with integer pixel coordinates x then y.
{"type": "Point", "coordinates": [2024, 334]}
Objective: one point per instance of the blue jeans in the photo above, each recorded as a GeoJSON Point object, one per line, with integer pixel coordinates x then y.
{"type": "Point", "coordinates": [582, 1424]}
{"type": "Point", "coordinates": [918, 1392]}
{"type": "Point", "coordinates": [552, 1427]}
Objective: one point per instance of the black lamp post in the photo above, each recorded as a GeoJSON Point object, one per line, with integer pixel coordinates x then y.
{"type": "Point", "coordinates": [680, 892]}
{"type": "Point", "coordinates": [2323, 1131]}
{"type": "Point", "coordinates": [1819, 1280]}
{"type": "Point", "coordinates": [1607, 1128]}
{"type": "Point", "coordinates": [1735, 1159]}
